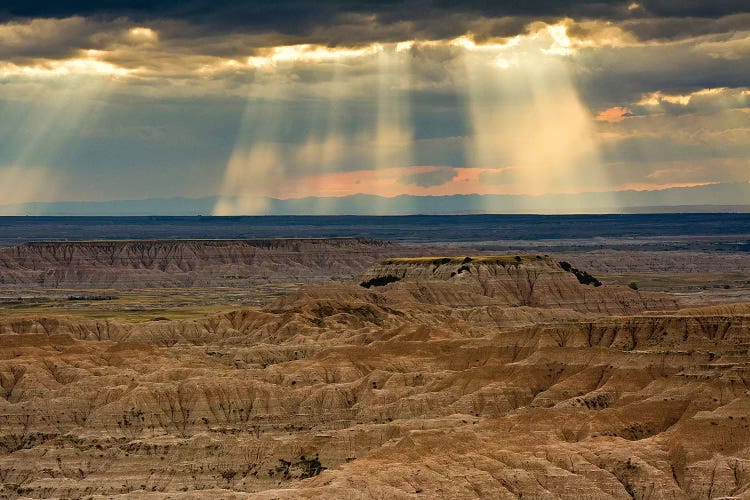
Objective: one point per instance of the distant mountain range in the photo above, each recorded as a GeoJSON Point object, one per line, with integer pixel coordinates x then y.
{"type": "Point", "coordinates": [723, 197]}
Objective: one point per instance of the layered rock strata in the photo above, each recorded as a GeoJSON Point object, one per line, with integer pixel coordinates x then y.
{"type": "Point", "coordinates": [185, 263]}
{"type": "Point", "coordinates": [392, 391]}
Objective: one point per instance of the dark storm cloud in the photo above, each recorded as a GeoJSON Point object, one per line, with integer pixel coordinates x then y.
{"type": "Point", "coordinates": [622, 75]}
{"type": "Point", "coordinates": [53, 38]}
{"type": "Point", "coordinates": [370, 19]}
{"type": "Point", "coordinates": [674, 28]}
{"type": "Point", "coordinates": [265, 12]}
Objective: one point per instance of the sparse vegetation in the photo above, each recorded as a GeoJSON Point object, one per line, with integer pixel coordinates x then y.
{"type": "Point", "coordinates": [301, 469]}
{"type": "Point", "coordinates": [480, 259]}
{"type": "Point", "coordinates": [583, 277]}
{"type": "Point", "coordinates": [91, 297]}
{"type": "Point", "coordinates": [380, 281]}
{"type": "Point", "coordinates": [132, 423]}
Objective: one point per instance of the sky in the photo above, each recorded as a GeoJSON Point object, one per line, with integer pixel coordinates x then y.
{"type": "Point", "coordinates": [252, 101]}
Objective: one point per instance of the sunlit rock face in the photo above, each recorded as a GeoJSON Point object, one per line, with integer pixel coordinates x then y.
{"type": "Point", "coordinates": [348, 391]}
{"type": "Point", "coordinates": [531, 280]}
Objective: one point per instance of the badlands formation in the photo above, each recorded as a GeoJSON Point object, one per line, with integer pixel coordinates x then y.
{"type": "Point", "coordinates": [431, 377]}
{"type": "Point", "coordinates": [185, 263]}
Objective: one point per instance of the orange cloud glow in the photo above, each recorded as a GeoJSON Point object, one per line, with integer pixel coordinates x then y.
{"type": "Point", "coordinates": [388, 182]}
{"type": "Point", "coordinates": [614, 115]}
{"type": "Point", "coordinates": [652, 186]}
{"type": "Point", "coordinates": [394, 182]}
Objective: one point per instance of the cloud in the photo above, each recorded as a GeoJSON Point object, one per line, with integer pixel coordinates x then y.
{"type": "Point", "coordinates": [677, 28]}
{"type": "Point", "coordinates": [680, 172]}
{"type": "Point", "coordinates": [665, 137]}
{"type": "Point", "coordinates": [734, 47]}
{"type": "Point", "coordinates": [619, 76]}
{"type": "Point", "coordinates": [702, 101]}
{"type": "Point", "coordinates": [661, 88]}
{"type": "Point", "coordinates": [350, 22]}
{"type": "Point", "coordinates": [261, 13]}
{"type": "Point", "coordinates": [49, 38]}
{"type": "Point", "coordinates": [430, 178]}
{"type": "Point", "coordinates": [614, 114]}
{"type": "Point", "coordinates": [617, 58]}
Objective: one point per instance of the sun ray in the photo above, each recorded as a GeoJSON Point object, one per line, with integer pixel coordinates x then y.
{"type": "Point", "coordinates": [394, 134]}
{"type": "Point", "coordinates": [262, 166]}
{"type": "Point", "coordinates": [528, 120]}
{"type": "Point", "coordinates": [256, 166]}
{"type": "Point", "coordinates": [61, 106]}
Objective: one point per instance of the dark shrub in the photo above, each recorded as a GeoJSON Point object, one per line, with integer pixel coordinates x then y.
{"type": "Point", "coordinates": [583, 277]}
{"type": "Point", "coordinates": [380, 281]}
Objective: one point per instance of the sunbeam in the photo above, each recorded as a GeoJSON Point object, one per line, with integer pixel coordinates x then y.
{"type": "Point", "coordinates": [62, 103]}
{"type": "Point", "coordinates": [325, 147]}
{"type": "Point", "coordinates": [265, 165]}
{"type": "Point", "coordinates": [373, 106]}
{"type": "Point", "coordinates": [256, 166]}
{"type": "Point", "coordinates": [394, 134]}
{"type": "Point", "coordinates": [527, 119]}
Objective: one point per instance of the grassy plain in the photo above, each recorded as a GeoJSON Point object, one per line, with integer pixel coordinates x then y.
{"type": "Point", "coordinates": [139, 305]}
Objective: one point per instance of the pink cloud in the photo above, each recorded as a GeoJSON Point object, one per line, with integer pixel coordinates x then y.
{"type": "Point", "coordinates": [395, 181]}
{"type": "Point", "coordinates": [651, 186]}
{"type": "Point", "coordinates": [614, 115]}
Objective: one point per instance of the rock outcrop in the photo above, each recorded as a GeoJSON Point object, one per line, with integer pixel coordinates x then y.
{"type": "Point", "coordinates": [510, 281]}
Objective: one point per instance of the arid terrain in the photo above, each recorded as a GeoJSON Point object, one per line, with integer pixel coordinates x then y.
{"type": "Point", "coordinates": [353, 368]}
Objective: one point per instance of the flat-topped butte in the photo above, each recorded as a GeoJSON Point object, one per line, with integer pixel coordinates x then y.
{"type": "Point", "coordinates": [385, 272]}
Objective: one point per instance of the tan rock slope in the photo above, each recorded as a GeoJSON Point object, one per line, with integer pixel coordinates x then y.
{"type": "Point", "coordinates": [183, 263]}
{"type": "Point", "coordinates": [399, 390]}
{"type": "Point", "coordinates": [508, 281]}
